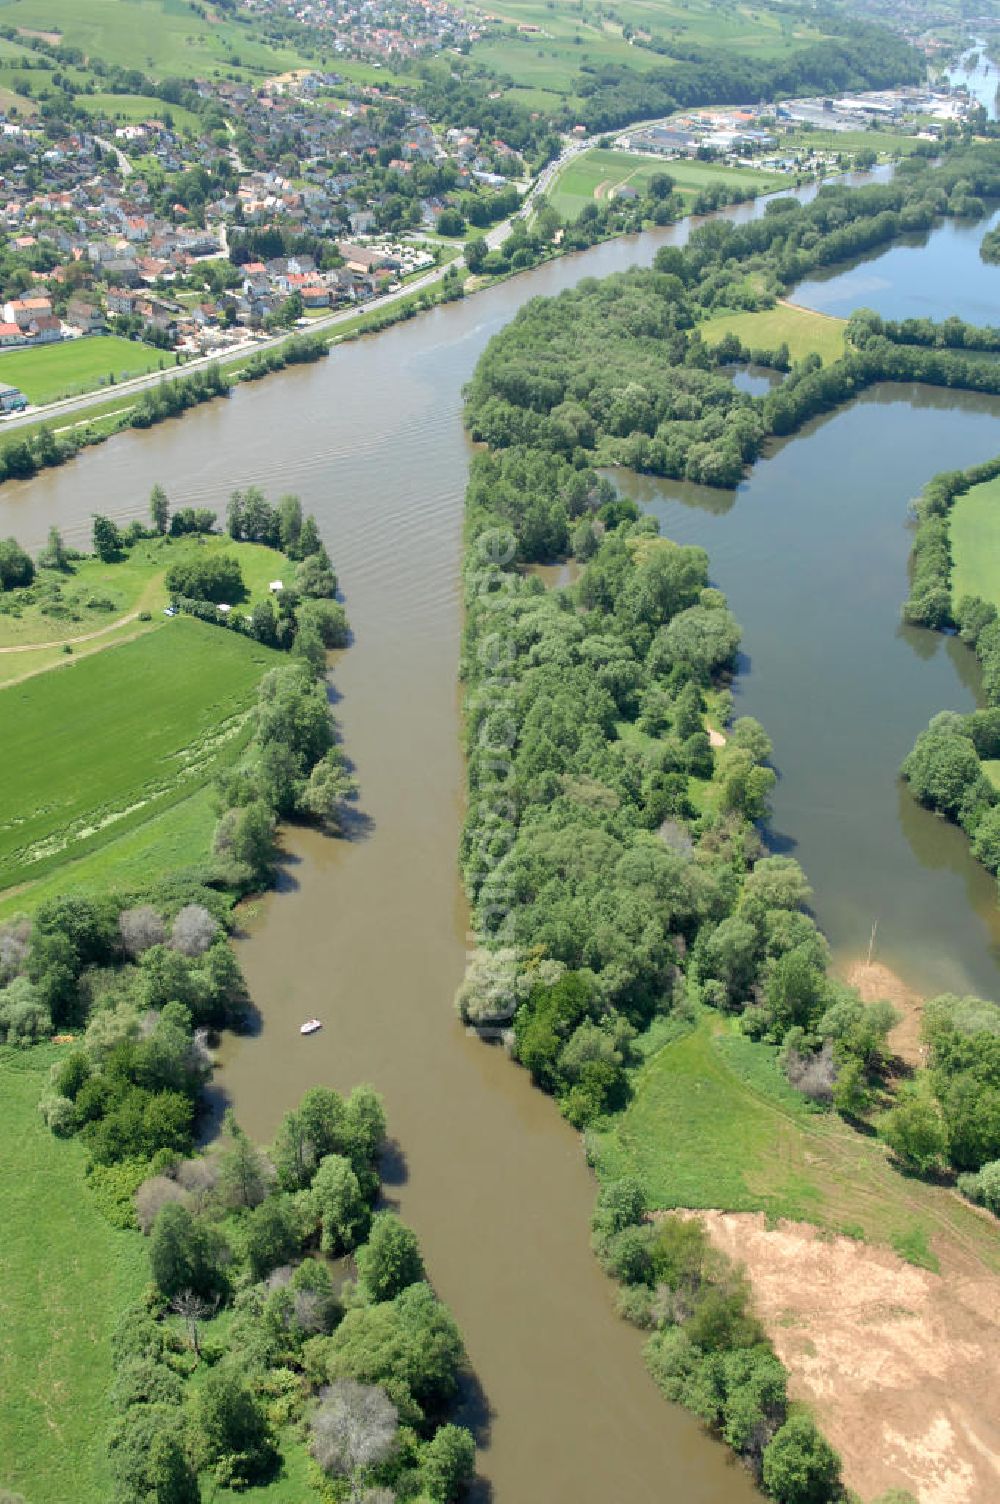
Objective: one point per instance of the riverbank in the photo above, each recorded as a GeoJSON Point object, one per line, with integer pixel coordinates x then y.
{"type": "Point", "coordinates": [371, 931]}
{"type": "Point", "coordinates": [703, 1047]}
{"type": "Point", "coordinates": [107, 416]}
{"type": "Point", "coordinates": [876, 983]}
{"type": "Point", "coordinates": [896, 1361]}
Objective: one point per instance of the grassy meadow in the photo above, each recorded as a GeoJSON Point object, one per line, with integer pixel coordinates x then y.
{"type": "Point", "coordinates": [166, 818]}
{"type": "Point", "coordinates": [160, 37]}
{"type": "Point", "coordinates": [65, 1275]}
{"type": "Point", "coordinates": [542, 47]}
{"type": "Point", "coordinates": [974, 526]}
{"type": "Point", "coordinates": [109, 743]}
{"type": "Point", "coordinates": [128, 109]}
{"type": "Point", "coordinates": [78, 365]}
{"type": "Point", "coordinates": [883, 143]}
{"type": "Point", "coordinates": [91, 596]}
{"type": "Point", "coordinates": [713, 1123]}
{"type": "Point", "coordinates": [592, 174]}
{"type": "Point", "coordinates": [804, 332]}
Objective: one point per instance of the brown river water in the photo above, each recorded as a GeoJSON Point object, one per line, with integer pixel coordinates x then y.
{"type": "Point", "coordinates": [369, 933]}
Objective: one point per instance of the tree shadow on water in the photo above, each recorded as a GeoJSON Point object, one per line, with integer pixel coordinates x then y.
{"type": "Point", "coordinates": [472, 1409]}
{"type": "Point", "coordinates": [393, 1168]}
{"type": "Point", "coordinates": [355, 824]}
{"type": "Point", "coordinates": [215, 1102]}
{"type": "Point", "coordinates": [778, 843]}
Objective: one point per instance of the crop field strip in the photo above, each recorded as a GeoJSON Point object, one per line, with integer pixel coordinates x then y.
{"type": "Point", "coordinates": [76, 777]}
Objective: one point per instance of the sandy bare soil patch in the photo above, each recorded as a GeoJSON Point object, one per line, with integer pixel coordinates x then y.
{"type": "Point", "coordinates": [715, 738]}
{"type": "Point", "coordinates": [901, 1366]}
{"type": "Point", "coordinates": [52, 37]}
{"type": "Point", "coordinates": [876, 983]}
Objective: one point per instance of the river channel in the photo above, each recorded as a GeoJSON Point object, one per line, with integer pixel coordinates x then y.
{"type": "Point", "coordinates": [370, 933]}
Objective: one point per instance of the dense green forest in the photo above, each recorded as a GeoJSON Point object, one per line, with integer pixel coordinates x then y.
{"type": "Point", "coordinates": [611, 853]}
{"type": "Point", "coordinates": [863, 57]}
{"type": "Point", "coordinates": [588, 88]}
{"type": "Point", "coordinates": [618, 372]}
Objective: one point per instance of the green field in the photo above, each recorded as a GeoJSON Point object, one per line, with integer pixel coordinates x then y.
{"type": "Point", "coordinates": [974, 527]}
{"type": "Point", "coordinates": [715, 1124]}
{"type": "Point", "coordinates": [110, 742]}
{"type": "Point", "coordinates": [65, 1274]}
{"type": "Point", "coordinates": [92, 604]}
{"type": "Point", "coordinates": [884, 143]}
{"type": "Point", "coordinates": [126, 109]}
{"type": "Point", "coordinates": [78, 365]}
{"type": "Point", "coordinates": [804, 332]}
{"type": "Point", "coordinates": [565, 38]}
{"type": "Point", "coordinates": [591, 174]}
{"type": "Point", "coordinates": [160, 37]}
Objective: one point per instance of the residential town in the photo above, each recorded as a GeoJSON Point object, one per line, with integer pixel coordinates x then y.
{"type": "Point", "coordinates": [233, 209]}
{"type": "Point", "coordinates": [272, 204]}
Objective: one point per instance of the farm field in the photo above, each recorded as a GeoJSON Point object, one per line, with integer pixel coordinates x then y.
{"type": "Point", "coordinates": [974, 529]}
{"type": "Point", "coordinates": [179, 837]}
{"type": "Point", "coordinates": [160, 37]}
{"type": "Point", "coordinates": [804, 332]}
{"type": "Point", "coordinates": [126, 109]}
{"type": "Point", "coordinates": [883, 143]}
{"type": "Point", "coordinates": [78, 365]}
{"type": "Point", "coordinates": [178, 699]}
{"type": "Point", "coordinates": [592, 174]}
{"type": "Point", "coordinates": [714, 1123]}
{"type": "Point", "coordinates": [65, 1275]}
{"type": "Point", "coordinates": [90, 595]}
{"type": "Point", "coordinates": [562, 39]}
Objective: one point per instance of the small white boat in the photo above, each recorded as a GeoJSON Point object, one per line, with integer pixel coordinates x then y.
{"type": "Point", "coordinates": [311, 1026]}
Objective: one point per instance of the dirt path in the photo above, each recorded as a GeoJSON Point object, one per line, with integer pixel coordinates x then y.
{"type": "Point", "coordinates": [144, 603]}
{"type": "Point", "coordinates": [813, 313]}
{"type": "Point", "coordinates": [61, 642]}
{"type": "Point", "coordinates": [899, 1365]}
{"type": "Point", "coordinates": [65, 662]}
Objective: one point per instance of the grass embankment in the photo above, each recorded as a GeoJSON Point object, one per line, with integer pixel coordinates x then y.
{"type": "Point", "coordinates": [65, 1274]}
{"type": "Point", "coordinates": [974, 528]}
{"type": "Point", "coordinates": [117, 739]}
{"type": "Point", "coordinates": [592, 175]}
{"type": "Point", "coordinates": [714, 1124]}
{"type": "Point", "coordinates": [804, 332]}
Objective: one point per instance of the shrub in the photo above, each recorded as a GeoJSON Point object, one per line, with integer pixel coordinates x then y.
{"type": "Point", "coordinates": [140, 928]}
{"type": "Point", "coordinates": [213, 577]}
{"type": "Point", "coordinates": [152, 1196]}
{"type": "Point", "coordinates": [799, 1466]}
{"type": "Point", "coordinates": [231, 1431]}
{"type": "Point", "coordinates": [916, 1134]}
{"type": "Point", "coordinates": [24, 1018]}
{"type": "Point", "coordinates": [983, 1187]}
{"type": "Point", "coordinates": [193, 930]}
{"type": "Point", "coordinates": [390, 1260]}
{"type": "Point", "coordinates": [353, 1426]}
